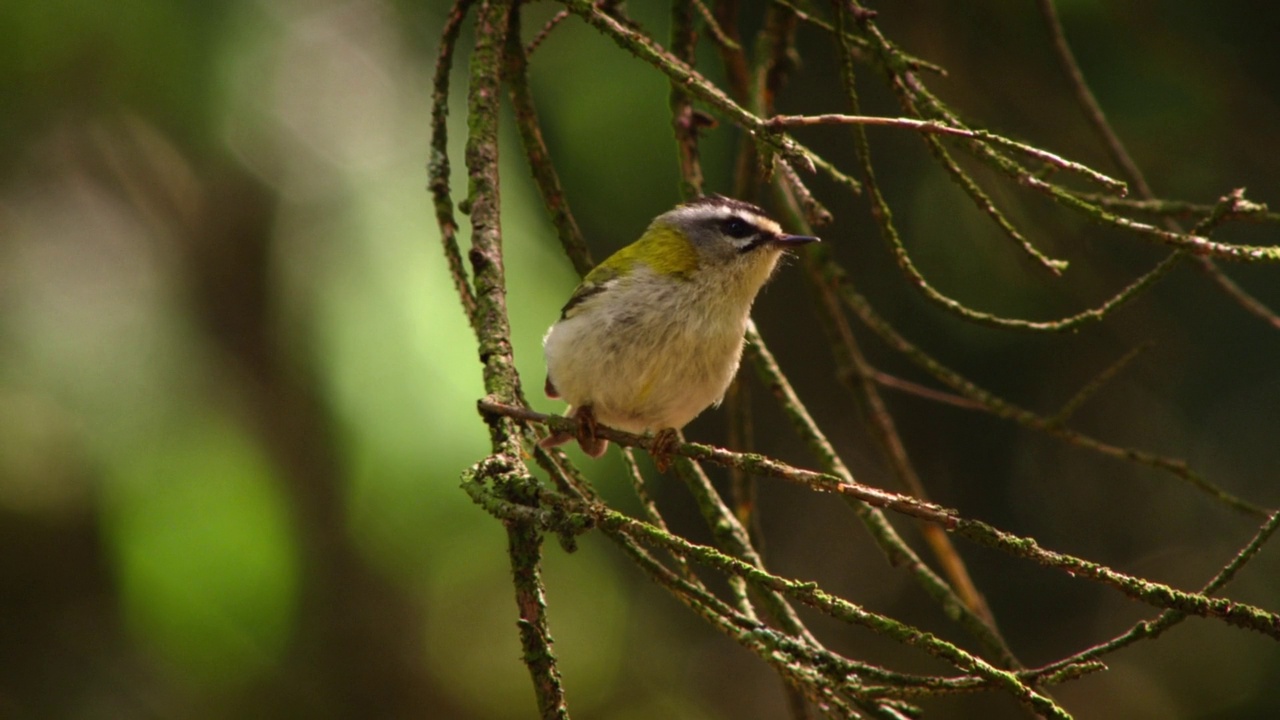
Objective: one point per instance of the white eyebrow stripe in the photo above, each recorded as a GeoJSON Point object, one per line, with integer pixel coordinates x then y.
{"type": "Point", "coordinates": [702, 212]}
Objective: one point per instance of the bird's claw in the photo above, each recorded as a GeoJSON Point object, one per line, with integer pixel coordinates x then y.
{"type": "Point", "coordinates": [664, 446]}
{"type": "Point", "coordinates": [588, 440]}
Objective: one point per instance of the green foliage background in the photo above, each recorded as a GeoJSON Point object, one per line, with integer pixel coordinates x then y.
{"type": "Point", "coordinates": [236, 389]}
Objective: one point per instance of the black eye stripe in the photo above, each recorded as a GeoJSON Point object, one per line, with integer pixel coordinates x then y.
{"type": "Point", "coordinates": [736, 227]}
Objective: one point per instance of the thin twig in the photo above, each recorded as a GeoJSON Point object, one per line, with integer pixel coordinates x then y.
{"type": "Point", "coordinates": [911, 62]}
{"type": "Point", "coordinates": [883, 216]}
{"type": "Point", "coordinates": [896, 550]}
{"type": "Point", "coordinates": [810, 594]}
{"type": "Point", "coordinates": [438, 164]}
{"type": "Point", "coordinates": [854, 369]}
{"type": "Point", "coordinates": [1120, 156]}
{"type": "Point", "coordinates": [733, 538]}
{"type": "Point", "coordinates": [1151, 629]}
{"type": "Point", "coordinates": [538, 39]}
{"type": "Point", "coordinates": [722, 38]}
{"type": "Point", "coordinates": [912, 388]}
{"type": "Point", "coordinates": [1005, 409]}
{"type": "Point", "coordinates": [1146, 591]}
{"type": "Point", "coordinates": [501, 483]}
{"type": "Point", "coordinates": [685, 121]}
{"type": "Point", "coordinates": [545, 177]}
{"type": "Point", "coordinates": [1090, 389]}
{"type": "Point", "coordinates": [939, 128]}
{"type": "Point", "coordinates": [1092, 108]}
{"type": "Point", "coordinates": [646, 49]}
{"type": "Point", "coordinates": [1245, 210]}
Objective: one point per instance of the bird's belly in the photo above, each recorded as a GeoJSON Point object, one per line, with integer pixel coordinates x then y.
{"type": "Point", "coordinates": [643, 373]}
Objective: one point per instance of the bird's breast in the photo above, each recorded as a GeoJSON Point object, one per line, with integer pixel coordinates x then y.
{"type": "Point", "coordinates": [650, 355]}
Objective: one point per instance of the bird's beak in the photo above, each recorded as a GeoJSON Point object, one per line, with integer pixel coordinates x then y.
{"type": "Point", "coordinates": [796, 239]}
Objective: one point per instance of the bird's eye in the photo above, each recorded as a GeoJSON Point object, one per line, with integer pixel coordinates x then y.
{"type": "Point", "coordinates": [737, 227]}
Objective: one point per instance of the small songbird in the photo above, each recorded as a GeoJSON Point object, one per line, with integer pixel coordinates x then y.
{"type": "Point", "coordinates": [654, 334]}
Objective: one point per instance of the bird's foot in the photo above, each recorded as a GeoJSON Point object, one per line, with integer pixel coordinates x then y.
{"type": "Point", "coordinates": [585, 434]}
{"type": "Point", "coordinates": [665, 444]}
{"type": "Point", "coordinates": [587, 439]}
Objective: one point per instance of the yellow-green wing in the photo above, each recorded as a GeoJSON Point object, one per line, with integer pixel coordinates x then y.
{"type": "Point", "coordinates": [596, 282]}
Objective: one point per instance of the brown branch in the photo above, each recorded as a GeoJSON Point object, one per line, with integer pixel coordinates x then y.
{"type": "Point", "coordinates": [499, 20]}
{"type": "Point", "coordinates": [545, 177]}
{"type": "Point", "coordinates": [685, 121]}
{"type": "Point", "coordinates": [1120, 156]}
{"type": "Point", "coordinates": [438, 164]}
{"type": "Point", "coordinates": [1151, 593]}
{"type": "Point", "coordinates": [939, 128]}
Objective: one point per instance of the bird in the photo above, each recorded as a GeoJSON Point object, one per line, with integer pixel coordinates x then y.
{"type": "Point", "coordinates": [654, 334]}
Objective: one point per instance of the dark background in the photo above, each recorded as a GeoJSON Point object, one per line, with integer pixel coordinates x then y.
{"type": "Point", "coordinates": [237, 391]}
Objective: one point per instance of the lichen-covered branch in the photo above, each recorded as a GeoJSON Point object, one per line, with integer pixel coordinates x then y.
{"type": "Point", "coordinates": [759, 608]}
{"type": "Point", "coordinates": [438, 164]}
{"type": "Point", "coordinates": [505, 467]}
{"type": "Point", "coordinates": [1152, 593]}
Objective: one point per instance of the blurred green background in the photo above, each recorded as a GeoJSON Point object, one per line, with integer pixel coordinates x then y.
{"type": "Point", "coordinates": [237, 391]}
